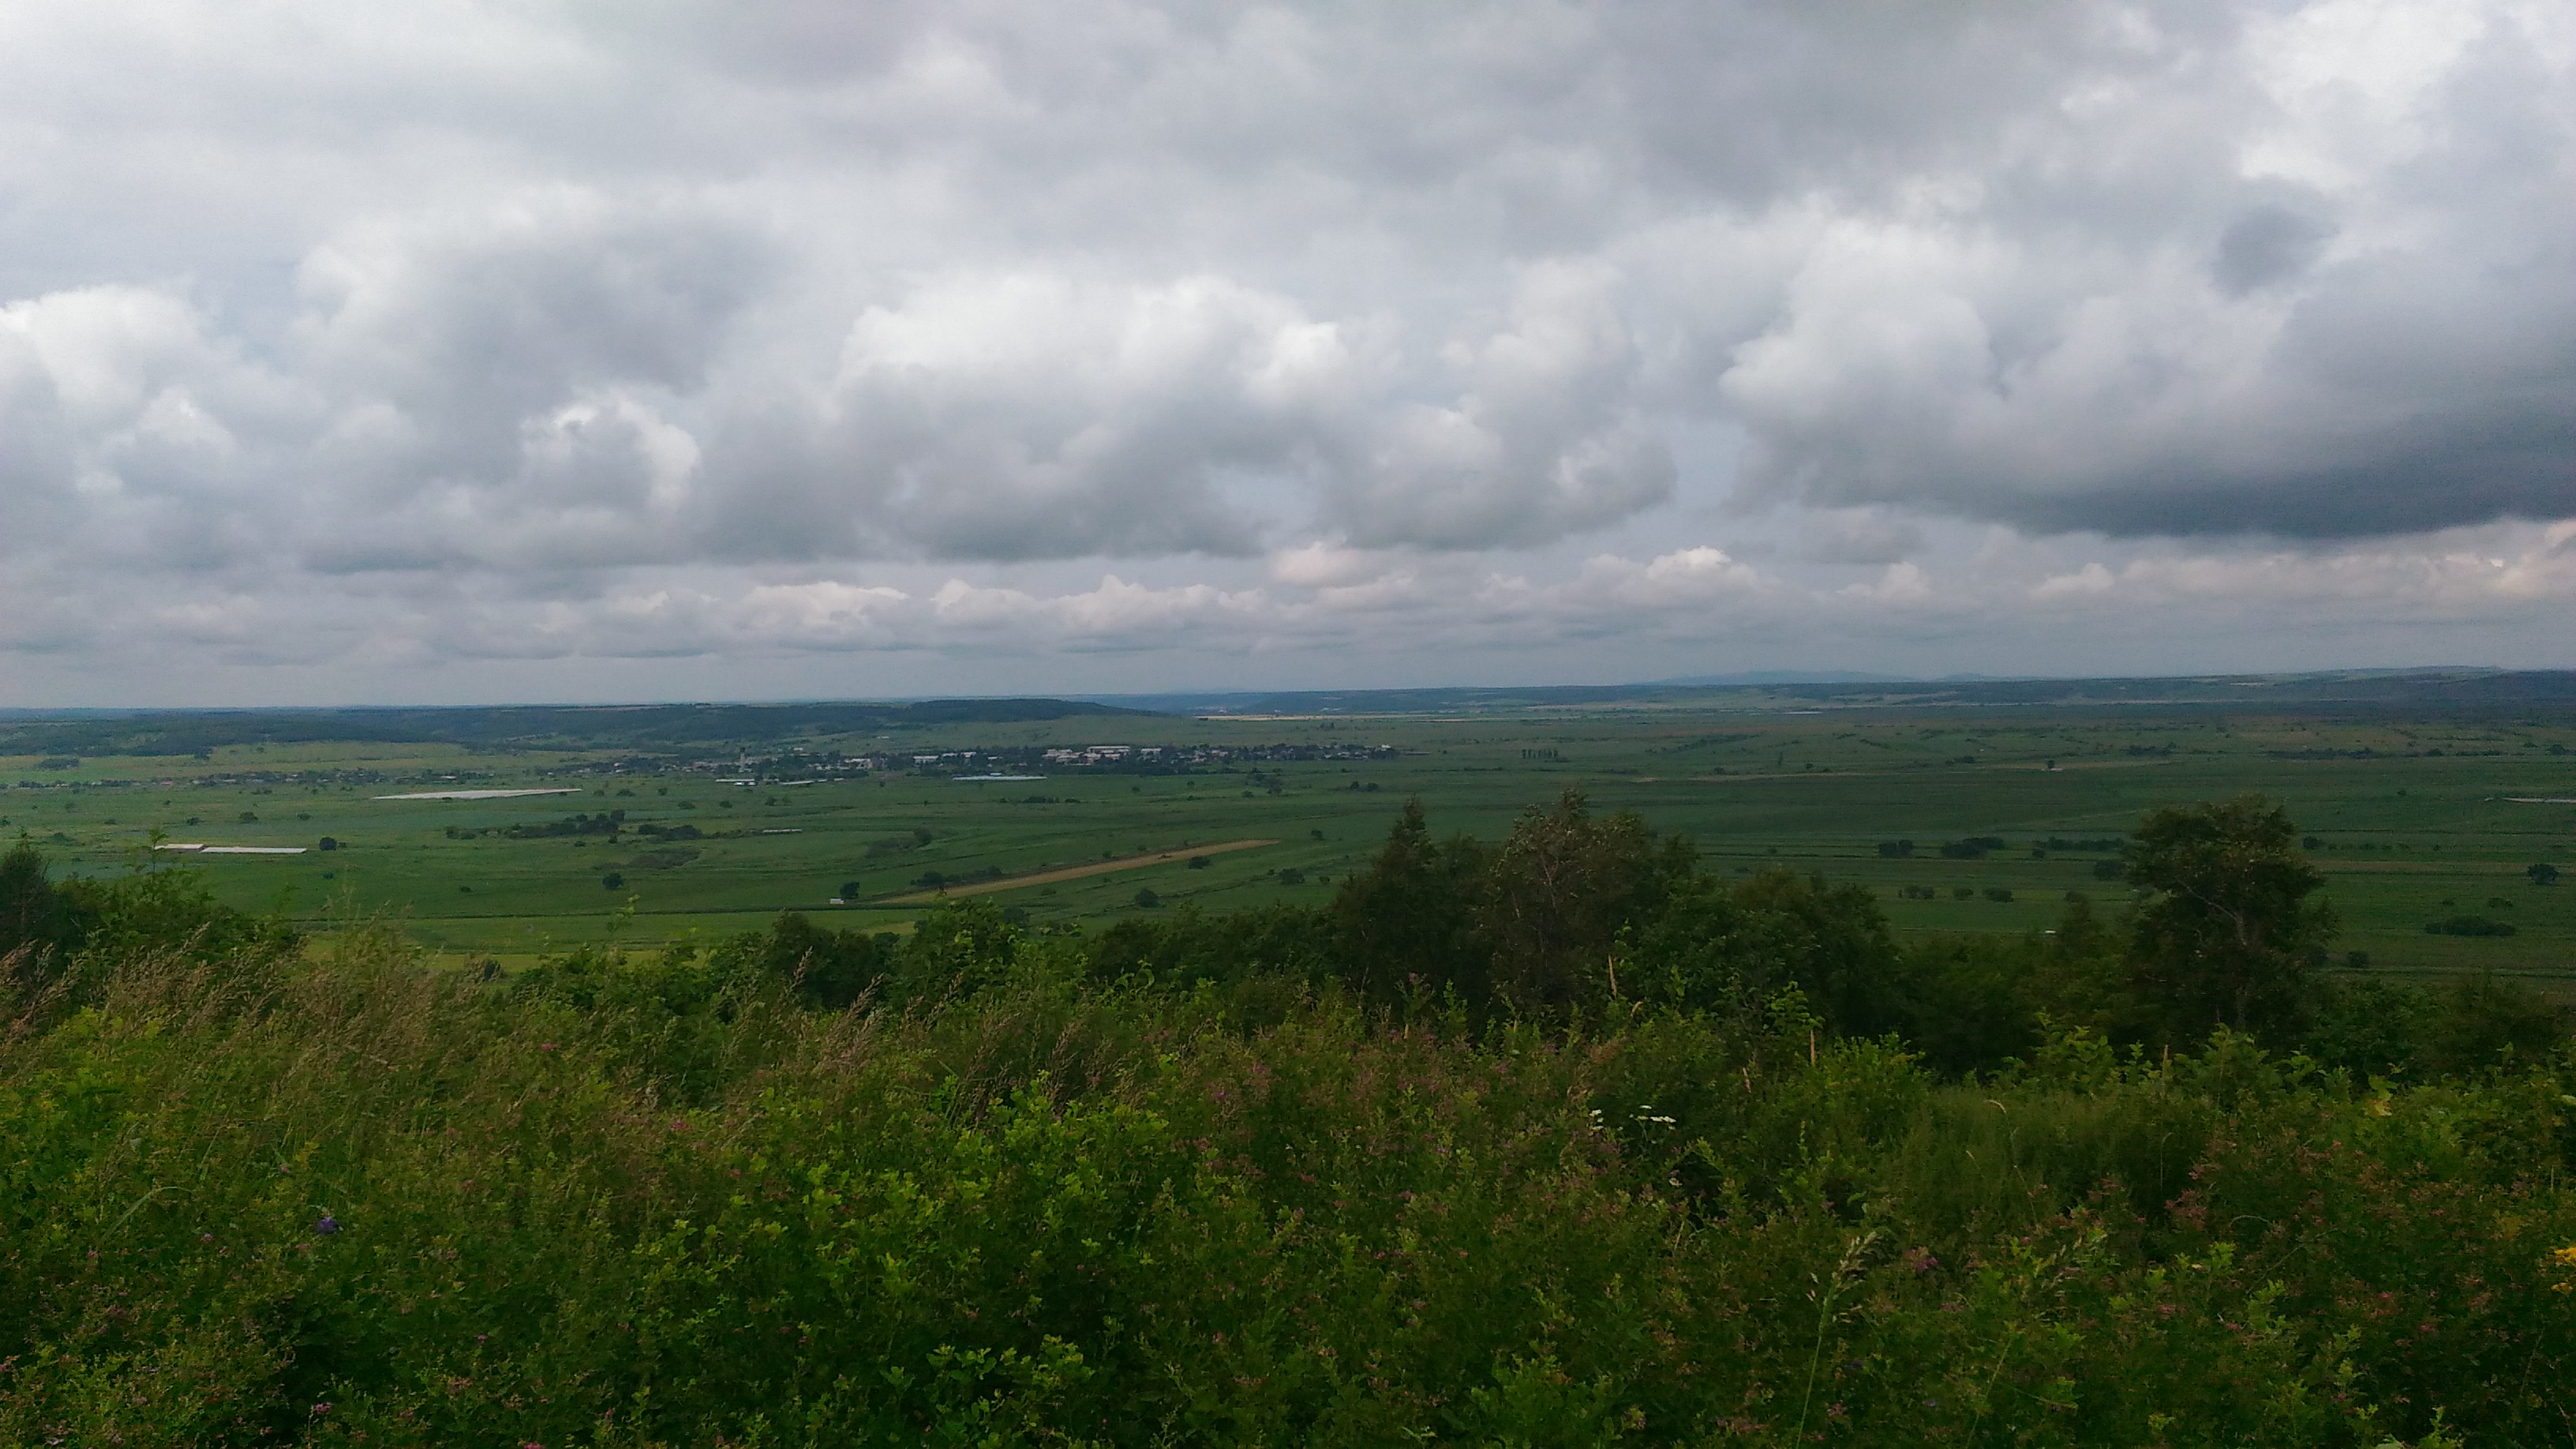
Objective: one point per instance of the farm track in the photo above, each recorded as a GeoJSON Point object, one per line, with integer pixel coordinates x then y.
{"type": "Point", "coordinates": [1076, 872]}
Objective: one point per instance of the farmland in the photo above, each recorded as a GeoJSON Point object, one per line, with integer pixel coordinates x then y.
{"type": "Point", "coordinates": [2411, 805]}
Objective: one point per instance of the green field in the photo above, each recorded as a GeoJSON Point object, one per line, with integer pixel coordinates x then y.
{"type": "Point", "coordinates": [2412, 814]}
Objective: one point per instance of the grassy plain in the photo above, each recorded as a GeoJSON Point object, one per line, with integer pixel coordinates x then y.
{"type": "Point", "coordinates": [2412, 813]}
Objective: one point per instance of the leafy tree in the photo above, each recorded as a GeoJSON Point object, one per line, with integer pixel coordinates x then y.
{"type": "Point", "coordinates": [2542, 873]}
{"type": "Point", "coordinates": [2484, 1022]}
{"type": "Point", "coordinates": [159, 909]}
{"type": "Point", "coordinates": [1408, 922]}
{"type": "Point", "coordinates": [34, 914]}
{"type": "Point", "coordinates": [1560, 890]}
{"type": "Point", "coordinates": [1189, 946]}
{"type": "Point", "coordinates": [829, 968]}
{"type": "Point", "coordinates": [1711, 945]}
{"type": "Point", "coordinates": [2368, 1027]}
{"type": "Point", "coordinates": [960, 948]}
{"type": "Point", "coordinates": [2226, 932]}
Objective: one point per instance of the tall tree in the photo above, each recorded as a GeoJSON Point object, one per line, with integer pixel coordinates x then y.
{"type": "Point", "coordinates": [35, 915]}
{"type": "Point", "coordinates": [1407, 923]}
{"type": "Point", "coordinates": [1560, 890]}
{"type": "Point", "coordinates": [2228, 928]}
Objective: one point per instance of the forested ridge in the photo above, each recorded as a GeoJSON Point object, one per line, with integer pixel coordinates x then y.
{"type": "Point", "coordinates": [1563, 1138]}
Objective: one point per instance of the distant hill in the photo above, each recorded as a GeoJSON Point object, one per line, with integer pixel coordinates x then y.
{"type": "Point", "coordinates": [646, 726]}
{"type": "Point", "coordinates": [681, 726]}
{"type": "Point", "coordinates": [1779, 676]}
{"type": "Point", "coordinates": [2461, 688]}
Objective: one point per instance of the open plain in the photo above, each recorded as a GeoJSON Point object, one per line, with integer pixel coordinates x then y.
{"type": "Point", "coordinates": [1963, 811]}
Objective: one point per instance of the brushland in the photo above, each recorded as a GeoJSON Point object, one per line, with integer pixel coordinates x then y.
{"type": "Point", "coordinates": [1559, 1138]}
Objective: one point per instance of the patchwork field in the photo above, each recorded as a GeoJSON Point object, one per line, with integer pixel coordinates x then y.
{"type": "Point", "coordinates": [2419, 814]}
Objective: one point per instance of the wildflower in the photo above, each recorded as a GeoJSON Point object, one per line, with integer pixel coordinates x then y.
{"type": "Point", "coordinates": [327, 1226]}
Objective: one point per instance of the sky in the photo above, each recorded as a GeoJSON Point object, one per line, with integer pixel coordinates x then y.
{"type": "Point", "coordinates": [463, 352]}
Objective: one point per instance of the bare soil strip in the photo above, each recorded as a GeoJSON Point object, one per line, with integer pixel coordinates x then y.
{"type": "Point", "coordinates": [1075, 872]}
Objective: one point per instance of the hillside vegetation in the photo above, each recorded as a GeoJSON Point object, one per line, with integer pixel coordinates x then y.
{"type": "Point", "coordinates": [1554, 1139]}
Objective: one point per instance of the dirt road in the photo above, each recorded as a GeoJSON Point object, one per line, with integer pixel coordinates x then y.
{"type": "Point", "coordinates": [1074, 872]}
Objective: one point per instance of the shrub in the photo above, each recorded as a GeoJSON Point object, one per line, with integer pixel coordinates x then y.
{"type": "Point", "coordinates": [642, 1202]}
{"type": "Point", "coordinates": [2468, 926]}
{"type": "Point", "coordinates": [2230, 924]}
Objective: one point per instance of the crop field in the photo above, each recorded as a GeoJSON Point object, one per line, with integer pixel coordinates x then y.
{"type": "Point", "coordinates": [1957, 818]}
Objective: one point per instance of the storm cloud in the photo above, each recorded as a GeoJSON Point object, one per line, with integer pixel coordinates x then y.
{"type": "Point", "coordinates": [475, 330]}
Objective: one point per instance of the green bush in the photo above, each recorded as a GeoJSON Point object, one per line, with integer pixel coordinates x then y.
{"type": "Point", "coordinates": [2468, 926]}
{"type": "Point", "coordinates": [1763, 1175]}
{"type": "Point", "coordinates": [351, 1199]}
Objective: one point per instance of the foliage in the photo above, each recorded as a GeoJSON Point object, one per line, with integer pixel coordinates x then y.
{"type": "Point", "coordinates": [48, 928]}
{"type": "Point", "coordinates": [1408, 924]}
{"type": "Point", "coordinates": [2226, 932]}
{"type": "Point", "coordinates": [348, 1199]}
{"type": "Point", "coordinates": [831, 969]}
{"type": "Point", "coordinates": [1766, 1176]}
{"type": "Point", "coordinates": [1559, 891]}
{"type": "Point", "coordinates": [2468, 926]}
{"type": "Point", "coordinates": [34, 916]}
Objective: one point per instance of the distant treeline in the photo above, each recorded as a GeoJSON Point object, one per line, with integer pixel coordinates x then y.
{"type": "Point", "coordinates": [1573, 914]}
{"type": "Point", "coordinates": [192, 732]}
{"type": "Point", "coordinates": [2424, 690]}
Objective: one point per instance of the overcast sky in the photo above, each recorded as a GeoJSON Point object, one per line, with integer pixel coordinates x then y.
{"type": "Point", "coordinates": [636, 349]}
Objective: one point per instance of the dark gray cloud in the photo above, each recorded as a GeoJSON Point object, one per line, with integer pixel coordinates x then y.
{"type": "Point", "coordinates": [2266, 246]}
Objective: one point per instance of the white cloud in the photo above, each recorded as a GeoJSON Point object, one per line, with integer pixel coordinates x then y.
{"type": "Point", "coordinates": [496, 332]}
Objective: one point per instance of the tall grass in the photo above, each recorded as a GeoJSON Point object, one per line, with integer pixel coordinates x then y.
{"type": "Point", "coordinates": [272, 1198]}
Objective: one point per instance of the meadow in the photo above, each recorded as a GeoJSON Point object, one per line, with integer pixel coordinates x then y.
{"type": "Point", "coordinates": [2411, 809]}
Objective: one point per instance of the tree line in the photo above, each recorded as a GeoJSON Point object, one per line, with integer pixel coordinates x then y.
{"type": "Point", "coordinates": [1575, 913]}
